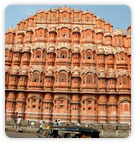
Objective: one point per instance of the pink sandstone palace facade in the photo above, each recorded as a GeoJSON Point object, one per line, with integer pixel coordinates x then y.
{"type": "Point", "coordinates": [68, 64]}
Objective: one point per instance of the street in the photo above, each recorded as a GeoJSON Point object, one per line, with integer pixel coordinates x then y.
{"type": "Point", "coordinates": [20, 135]}
{"type": "Point", "coordinates": [106, 134]}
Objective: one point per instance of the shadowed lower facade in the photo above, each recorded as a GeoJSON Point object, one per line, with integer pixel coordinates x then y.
{"type": "Point", "coordinates": [68, 64]}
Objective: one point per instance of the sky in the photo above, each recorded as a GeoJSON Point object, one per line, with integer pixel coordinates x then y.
{"type": "Point", "coordinates": [118, 15]}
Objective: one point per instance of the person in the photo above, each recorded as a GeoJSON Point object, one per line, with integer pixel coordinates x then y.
{"type": "Point", "coordinates": [59, 122]}
{"type": "Point", "coordinates": [41, 126]}
{"type": "Point", "coordinates": [19, 124]}
{"type": "Point", "coordinates": [56, 123]}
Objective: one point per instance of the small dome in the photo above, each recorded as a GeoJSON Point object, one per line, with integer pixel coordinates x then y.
{"type": "Point", "coordinates": [42, 11]}
{"type": "Point", "coordinates": [100, 50]}
{"type": "Point", "coordinates": [24, 70]}
{"type": "Point", "coordinates": [15, 70]}
{"type": "Point", "coordinates": [118, 32]}
{"type": "Point", "coordinates": [76, 29]}
{"type": "Point", "coordinates": [86, 11]}
{"type": "Point", "coordinates": [99, 31]}
{"type": "Point", "coordinates": [101, 73]}
{"type": "Point", "coordinates": [51, 49]}
{"type": "Point", "coordinates": [98, 18]}
{"type": "Point", "coordinates": [106, 22]}
{"type": "Point", "coordinates": [11, 29]}
{"type": "Point", "coordinates": [53, 28]}
{"type": "Point", "coordinates": [76, 74]}
{"type": "Point", "coordinates": [27, 49]}
{"type": "Point", "coordinates": [17, 48]}
{"type": "Point", "coordinates": [107, 34]}
{"type": "Point", "coordinates": [111, 73]}
{"type": "Point", "coordinates": [109, 50]}
{"type": "Point", "coordinates": [76, 50]}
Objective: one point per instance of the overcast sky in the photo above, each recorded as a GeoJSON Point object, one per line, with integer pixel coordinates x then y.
{"type": "Point", "coordinates": [118, 15]}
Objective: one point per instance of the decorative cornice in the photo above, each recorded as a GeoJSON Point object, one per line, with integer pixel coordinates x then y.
{"type": "Point", "coordinates": [63, 68]}
{"type": "Point", "coordinates": [18, 48]}
{"type": "Point", "coordinates": [7, 69]}
{"type": "Point", "coordinates": [15, 70]}
{"type": "Point", "coordinates": [49, 72]}
{"type": "Point", "coordinates": [39, 68]}
{"type": "Point", "coordinates": [111, 73]}
{"type": "Point", "coordinates": [64, 26]}
{"type": "Point", "coordinates": [38, 45]}
{"type": "Point", "coordinates": [86, 70]}
{"type": "Point", "coordinates": [121, 72]}
{"type": "Point", "coordinates": [63, 45]}
{"type": "Point", "coordinates": [8, 47]}
{"type": "Point", "coordinates": [86, 47]}
{"type": "Point", "coordinates": [119, 50]}
{"type": "Point", "coordinates": [11, 29]}
{"type": "Point", "coordinates": [100, 50]}
{"type": "Point", "coordinates": [24, 70]}
{"type": "Point", "coordinates": [43, 26]}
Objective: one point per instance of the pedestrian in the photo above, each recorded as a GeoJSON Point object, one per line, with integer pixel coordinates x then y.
{"type": "Point", "coordinates": [19, 124]}
{"type": "Point", "coordinates": [41, 126]}
{"type": "Point", "coordinates": [59, 122]}
{"type": "Point", "coordinates": [56, 123]}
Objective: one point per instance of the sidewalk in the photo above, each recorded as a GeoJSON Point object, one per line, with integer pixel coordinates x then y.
{"type": "Point", "coordinates": [31, 129]}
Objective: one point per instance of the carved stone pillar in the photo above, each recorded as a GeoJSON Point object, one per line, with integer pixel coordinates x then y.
{"type": "Point", "coordinates": [10, 105]}
{"type": "Point", "coordinates": [20, 105]}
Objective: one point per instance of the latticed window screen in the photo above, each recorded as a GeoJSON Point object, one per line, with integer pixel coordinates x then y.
{"type": "Point", "coordinates": [38, 54]}
{"type": "Point", "coordinates": [89, 79]}
{"type": "Point", "coordinates": [63, 54]}
{"type": "Point", "coordinates": [36, 77]}
{"type": "Point", "coordinates": [62, 77]}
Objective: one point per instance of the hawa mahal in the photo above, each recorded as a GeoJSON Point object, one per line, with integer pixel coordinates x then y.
{"type": "Point", "coordinates": [68, 64]}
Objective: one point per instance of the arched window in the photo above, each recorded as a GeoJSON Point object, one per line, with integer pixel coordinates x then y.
{"type": "Point", "coordinates": [124, 80]}
{"type": "Point", "coordinates": [64, 35]}
{"type": "Point", "coordinates": [41, 17]}
{"type": "Point", "coordinates": [35, 77]}
{"type": "Point", "coordinates": [89, 79]}
{"type": "Point", "coordinates": [89, 56]}
{"type": "Point", "coordinates": [65, 18]}
{"type": "Point", "coordinates": [38, 54]}
{"type": "Point", "coordinates": [119, 41]}
{"type": "Point", "coordinates": [62, 77]}
{"type": "Point", "coordinates": [41, 32]}
{"type": "Point", "coordinates": [88, 37]}
{"type": "Point", "coordinates": [87, 19]}
{"type": "Point", "coordinates": [126, 107]}
{"type": "Point", "coordinates": [63, 54]}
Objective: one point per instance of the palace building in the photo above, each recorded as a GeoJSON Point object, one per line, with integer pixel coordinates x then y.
{"type": "Point", "coordinates": [68, 64]}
